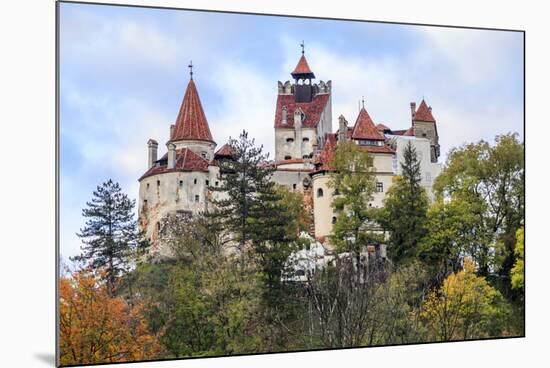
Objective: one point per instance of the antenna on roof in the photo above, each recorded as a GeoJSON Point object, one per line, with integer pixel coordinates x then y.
{"type": "Point", "coordinates": [363, 101]}
{"type": "Point", "coordinates": [191, 68]}
{"type": "Point", "coordinates": [302, 45]}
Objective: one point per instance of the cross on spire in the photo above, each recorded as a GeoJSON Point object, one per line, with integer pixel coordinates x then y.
{"type": "Point", "coordinates": [302, 45]}
{"type": "Point", "coordinates": [191, 68]}
{"type": "Point", "coordinates": [363, 101]}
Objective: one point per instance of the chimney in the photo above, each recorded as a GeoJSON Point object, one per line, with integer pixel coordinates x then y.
{"type": "Point", "coordinates": [171, 155]}
{"type": "Point", "coordinates": [342, 129]}
{"type": "Point", "coordinates": [153, 148]}
{"type": "Point", "coordinates": [413, 109]}
{"type": "Point", "coordinates": [172, 127]}
{"type": "Point", "coordinates": [283, 114]}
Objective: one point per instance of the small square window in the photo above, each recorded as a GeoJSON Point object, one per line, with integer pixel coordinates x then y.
{"type": "Point", "coordinates": [379, 187]}
{"type": "Point", "coordinates": [195, 181]}
{"type": "Point", "coordinates": [294, 186]}
{"type": "Point", "coordinates": [197, 198]}
{"type": "Point", "coordinates": [158, 183]}
{"type": "Point", "coordinates": [216, 183]}
{"type": "Point", "coordinates": [181, 183]}
{"type": "Point", "coordinates": [207, 182]}
{"type": "Point", "coordinates": [147, 185]}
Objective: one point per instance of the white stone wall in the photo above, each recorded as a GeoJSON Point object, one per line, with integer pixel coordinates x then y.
{"type": "Point", "coordinates": [322, 205]}
{"type": "Point", "coordinates": [170, 192]}
{"type": "Point", "coordinates": [429, 170]}
{"type": "Point", "coordinates": [293, 180]}
{"type": "Point", "coordinates": [284, 148]}
{"type": "Point", "coordinates": [202, 148]}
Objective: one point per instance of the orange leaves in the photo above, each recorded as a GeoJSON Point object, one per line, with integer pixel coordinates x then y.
{"type": "Point", "coordinates": [96, 328]}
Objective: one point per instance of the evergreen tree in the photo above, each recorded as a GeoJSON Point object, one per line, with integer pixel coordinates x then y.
{"type": "Point", "coordinates": [250, 209]}
{"type": "Point", "coordinates": [110, 237]}
{"type": "Point", "coordinates": [405, 207]}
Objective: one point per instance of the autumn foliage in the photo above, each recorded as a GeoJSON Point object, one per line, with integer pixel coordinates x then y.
{"type": "Point", "coordinates": [98, 328]}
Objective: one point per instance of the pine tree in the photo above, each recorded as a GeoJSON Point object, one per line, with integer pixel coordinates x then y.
{"type": "Point", "coordinates": [110, 238]}
{"type": "Point", "coordinates": [405, 207]}
{"type": "Point", "coordinates": [250, 209]}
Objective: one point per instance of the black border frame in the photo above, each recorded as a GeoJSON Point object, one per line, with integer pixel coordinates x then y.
{"type": "Point", "coordinates": [57, 171]}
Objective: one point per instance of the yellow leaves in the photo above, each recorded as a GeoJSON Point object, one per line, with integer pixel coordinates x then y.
{"type": "Point", "coordinates": [465, 306]}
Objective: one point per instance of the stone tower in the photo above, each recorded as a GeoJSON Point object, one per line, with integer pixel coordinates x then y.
{"type": "Point", "coordinates": [303, 115]}
{"type": "Point", "coordinates": [424, 126]}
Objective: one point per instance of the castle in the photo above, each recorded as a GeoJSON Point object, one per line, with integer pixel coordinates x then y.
{"type": "Point", "coordinates": [180, 180]}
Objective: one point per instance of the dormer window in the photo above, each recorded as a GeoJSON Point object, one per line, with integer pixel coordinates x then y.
{"type": "Point", "coordinates": [204, 154]}
{"type": "Point", "coordinates": [289, 140]}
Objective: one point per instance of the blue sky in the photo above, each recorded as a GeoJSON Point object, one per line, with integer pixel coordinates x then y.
{"type": "Point", "coordinates": [123, 73]}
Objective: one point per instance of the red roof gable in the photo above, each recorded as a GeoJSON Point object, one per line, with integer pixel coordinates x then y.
{"type": "Point", "coordinates": [312, 110]}
{"type": "Point", "coordinates": [302, 68]}
{"type": "Point", "coordinates": [186, 160]}
{"type": "Point", "coordinates": [364, 128]}
{"type": "Point", "coordinates": [325, 156]}
{"type": "Point", "coordinates": [424, 113]}
{"type": "Point", "coordinates": [226, 151]}
{"type": "Point", "coordinates": [191, 122]}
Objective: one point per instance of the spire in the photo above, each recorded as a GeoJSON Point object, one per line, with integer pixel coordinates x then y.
{"type": "Point", "coordinates": [364, 127]}
{"type": "Point", "coordinates": [191, 68]}
{"type": "Point", "coordinates": [424, 113]}
{"type": "Point", "coordinates": [302, 70]}
{"type": "Point", "coordinates": [191, 123]}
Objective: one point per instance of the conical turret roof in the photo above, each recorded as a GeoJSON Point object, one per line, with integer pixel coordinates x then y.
{"type": "Point", "coordinates": [191, 123]}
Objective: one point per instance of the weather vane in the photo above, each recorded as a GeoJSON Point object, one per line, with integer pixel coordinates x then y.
{"type": "Point", "coordinates": [363, 101]}
{"type": "Point", "coordinates": [191, 68]}
{"type": "Point", "coordinates": [302, 45]}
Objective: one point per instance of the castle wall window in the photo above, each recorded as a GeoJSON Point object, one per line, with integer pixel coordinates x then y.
{"type": "Point", "coordinates": [147, 185]}
{"type": "Point", "coordinates": [195, 181]}
{"type": "Point", "coordinates": [319, 192]}
{"type": "Point", "coordinates": [333, 220]}
{"type": "Point", "coordinates": [428, 177]}
{"type": "Point", "coordinates": [287, 157]}
{"type": "Point", "coordinates": [216, 183]}
{"type": "Point", "coordinates": [305, 139]}
{"type": "Point", "coordinates": [144, 202]}
{"type": "Point", "coordinates": [158, 183]}
{"type": "Point", "coordinates": [181, 183]}
{"type": "Point", "coordinates": [379, 187]}
{"type": "Point", "coordinates": [294, 186]}
{"type": "Point", "coordinates": [289, 140]}
{"type": "Point", "coordinates": [197, 198]}
{"type": "Point", "coordinates": [207, 182]}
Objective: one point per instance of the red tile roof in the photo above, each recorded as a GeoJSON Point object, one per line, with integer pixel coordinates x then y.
{"type": "Point", "coordinates": [191, 122]}
{"type": "Point", "coordinates": [406, 132]}
{"type": "Point", "coordinates": [377, 149]}
{"type": "Point", "coordinates": [302, 68]}
{"type": "Point", "coordinates": [323, 159]}
{"type": "Point", "coordinates": [364, 128]}
{"type": "Point", "coordinates": [312, 110]}
{"type": "Point", "coordinates": [382, 127]}
{"type": "Point", "coordinates": [186, 160]}
{"type": "Point", "coordinates": [226, 151]}
{"type": "Point", "coordinates": [424, 113]}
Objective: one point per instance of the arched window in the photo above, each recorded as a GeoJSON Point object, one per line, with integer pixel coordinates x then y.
{"type": "Point", "coordinates": [319, 192]}
{"type": "Point", "coordinates": [306, 139]}
{"type": "Point", "coordinates": [289, 140]}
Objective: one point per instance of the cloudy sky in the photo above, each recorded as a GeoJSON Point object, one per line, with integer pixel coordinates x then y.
{"type": "Point", "coordinates": [123, 73]}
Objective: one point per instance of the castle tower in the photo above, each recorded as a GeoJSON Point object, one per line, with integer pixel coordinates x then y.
{"type": "Point", "coordinates": [303, 115]}
{"type": "Point", "coordinates": [424, 126]}
{"type": "Point", "coordinates": [179, 181]}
